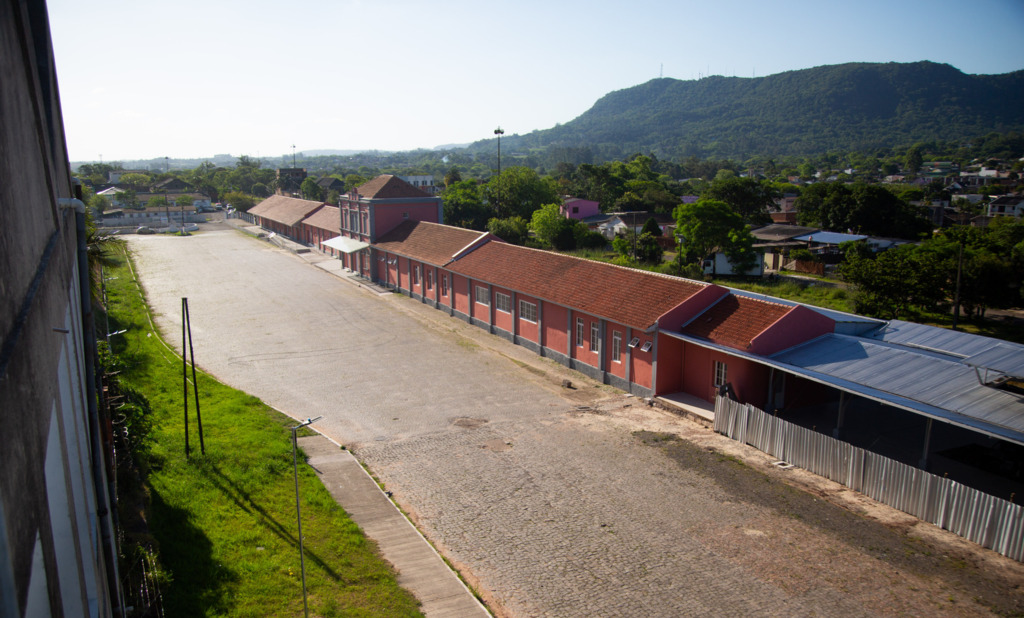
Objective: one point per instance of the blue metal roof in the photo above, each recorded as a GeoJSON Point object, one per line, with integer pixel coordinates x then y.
{"type": "Point", "coordinates": [829, 238]}
{"type": "Point", "coordinates": [928, 380]}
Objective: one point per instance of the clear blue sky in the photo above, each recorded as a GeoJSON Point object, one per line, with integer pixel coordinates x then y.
{"type": "Point", "coordinates": [194, 78]}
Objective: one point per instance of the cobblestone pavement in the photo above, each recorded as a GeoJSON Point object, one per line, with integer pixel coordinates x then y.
{"type": "Point", "coordinates": [552, 502]}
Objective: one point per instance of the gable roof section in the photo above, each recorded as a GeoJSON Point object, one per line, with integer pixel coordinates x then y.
{"type": "Point", "coordinates": [285, 210]}
{"type": "Point", "coordinates": [432, 243]}
{"type": "Point", "coordinates": [388, 186]}
{"type": "Point", "coordinates": [327, 218]}
{"type": "Point", "coordinates": [735, 321]}
{"type": "Point", "coordinates": [630, 297]}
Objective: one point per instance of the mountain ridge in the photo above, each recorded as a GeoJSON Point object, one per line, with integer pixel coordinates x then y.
{"type": "Point", "coordinates": [853, 106]}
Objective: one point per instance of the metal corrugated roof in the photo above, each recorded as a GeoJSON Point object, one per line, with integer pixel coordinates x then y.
{"type": "Point", "coordinates": [829, 238]}
{"type": "Point", "coordinates": [954, 343]}
{"type": "Point", "coordinates": [919, 378]}
{"type": "Point", "coordinates": [1005, 358]}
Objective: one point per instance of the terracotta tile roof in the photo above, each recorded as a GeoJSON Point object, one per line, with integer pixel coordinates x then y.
{"type": "Point", "coordinates": [735, 320]}
{"type": "Point", "coordinates": [627, 296]}
{"type": "Point", "coordinates": [285, 210]}
{"type": "Point", "coordinates": [327, 218]}
{"type": "Point", "coordinates": [388, 186]}
{"type": "Point", "coordinates": [429, 242]}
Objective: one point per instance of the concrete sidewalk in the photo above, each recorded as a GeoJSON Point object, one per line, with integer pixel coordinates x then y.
{"type": "Point", "coordinates": [420, 569]}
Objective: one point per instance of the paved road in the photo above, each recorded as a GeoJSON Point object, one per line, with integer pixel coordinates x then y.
{"type": "Point", "coordinates": [551, 502]}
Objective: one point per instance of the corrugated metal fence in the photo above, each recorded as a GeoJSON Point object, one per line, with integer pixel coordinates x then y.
{"type": "Point", "coordinates": [986, 520]}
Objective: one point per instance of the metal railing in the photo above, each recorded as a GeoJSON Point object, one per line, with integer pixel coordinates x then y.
{"type": "Point", "coordinates": [974, 515]}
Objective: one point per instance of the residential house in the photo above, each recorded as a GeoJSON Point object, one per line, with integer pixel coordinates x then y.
{"type": "Point", "coordinates": [424, 182]}
{"type": "Point", "coordinates": [1006, 206]}
{"type": "Point", "coordinates": [579, 209]}
{"type": "Point", "coordinates": [289, 180]}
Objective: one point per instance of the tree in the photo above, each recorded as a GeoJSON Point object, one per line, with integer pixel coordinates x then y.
{"type": "Point", "coordinates": [126, 198]}
{"type": "Point", "coordinates": [651, 227]}
{"type": "Point", "coordinates": [311, 190]}
{"type": "Point", "coordinates": [913, 161]}
{"type": "Point", "coordinates": [518, 191]}
{"type": "Point", "coordinates": [452, 176]}
{"type": "Point", "coordinates": [260, 190]}
{"type": "Point", "coordinates": [463, 205]}
{"type": "Point", "coordinates": [513, 230]}
{"type": "Point", "coordinates": [895, 281]}
{"type": "Point", "coordinates": [552, 229]}
{"type": "Point", "coordinates": [135, 181]}
{"type": "Point", "coordinates": [751, 198]}
{"type": "Point", "coordinates": [643, 248]}
{"type": "Point", "coordinates": [705, 226]}
{"type": "Point", "coordinates": [239, 201]}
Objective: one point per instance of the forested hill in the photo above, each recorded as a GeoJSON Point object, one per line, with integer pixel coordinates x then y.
{"type": "Point", "coordinates": [857, 106]}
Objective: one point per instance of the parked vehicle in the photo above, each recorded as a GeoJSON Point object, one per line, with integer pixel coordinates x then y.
{"type": "Point", "coordinates": [145, 230]}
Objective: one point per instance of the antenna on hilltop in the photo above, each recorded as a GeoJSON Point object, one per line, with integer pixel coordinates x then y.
{"type": "Point", "coordinates": [661, 72]}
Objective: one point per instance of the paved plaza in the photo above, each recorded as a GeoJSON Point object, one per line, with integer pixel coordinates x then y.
{"type": "Point", "coordinates": [549, 501]}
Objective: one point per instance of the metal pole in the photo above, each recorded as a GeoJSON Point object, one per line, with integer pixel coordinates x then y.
{"type": "Point", "coordinates": [195, 380]}
{"type": "Point", "coordinates": [298, 508]}
{"type": "Point", "coordinates": [499, 132]}
{"type": "Point", "coordinates": [184, 373]}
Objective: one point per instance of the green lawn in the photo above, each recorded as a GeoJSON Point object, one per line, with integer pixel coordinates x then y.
{"type": "Point", "coordinates": [224, 523]}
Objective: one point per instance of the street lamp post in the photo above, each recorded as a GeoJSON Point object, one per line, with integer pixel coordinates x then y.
{"type": "Point", "coordinates": [499, 132]}
{"type": "Point", "coordinates": [298, 511]}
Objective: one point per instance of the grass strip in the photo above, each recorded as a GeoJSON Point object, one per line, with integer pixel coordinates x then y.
{"type": "Point", "coordinates": [224, 523]}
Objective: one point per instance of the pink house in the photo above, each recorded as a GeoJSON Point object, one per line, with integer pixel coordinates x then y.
{"type": "Point", "coordinates": [576, 208]}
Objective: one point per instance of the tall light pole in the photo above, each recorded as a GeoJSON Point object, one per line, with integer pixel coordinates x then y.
{"type": "Point", "coordinates": [499, 132]}
{"type": "Point", "coordinates": [298, 511]}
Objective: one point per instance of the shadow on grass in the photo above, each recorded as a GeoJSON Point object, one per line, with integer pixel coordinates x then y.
{"type": "Point", "coordinates": [199, 586]}
{"type": "Point", "coordinates": [242, 500]}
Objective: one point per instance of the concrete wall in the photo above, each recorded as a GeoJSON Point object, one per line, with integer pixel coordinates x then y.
{"type": "Point", "coordinates": [57, 555]}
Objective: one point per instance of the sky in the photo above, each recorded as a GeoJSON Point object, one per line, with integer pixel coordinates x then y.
{"type": "Point", "coordinates": [142, 79]}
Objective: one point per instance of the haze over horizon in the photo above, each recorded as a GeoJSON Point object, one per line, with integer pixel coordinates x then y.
{"type": "Point", "coordinates": [352, 75]}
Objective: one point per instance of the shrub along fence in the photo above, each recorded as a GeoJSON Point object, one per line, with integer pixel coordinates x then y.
{"type": "Point", "coordinates": [974, 515]}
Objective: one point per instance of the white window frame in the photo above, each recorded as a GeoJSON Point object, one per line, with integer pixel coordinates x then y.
{"type": "Point", "coordinates": [430, 279]}
{"type": "Point", "coordinates": [616, 346]}
{"type": "Point", "coordinates": [416, 275]}
{"type": "Point", "coordinates": [444, 284]}
{"type": "Point", "coordinates": [595, 337]}
{"type": "Point", "coordinates": [579, 332]}
{"type": "Point", "coordinates": [503, 302]}
{"type": "Point", "coordinates": [483, 296]}
{"type": "Point", "coordinates": [528, 311]}
{"type": "Point", "coordinates": [721, 375]}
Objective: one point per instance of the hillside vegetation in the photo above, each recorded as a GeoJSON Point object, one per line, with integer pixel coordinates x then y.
{"type": "Point", "coordinates": [849, 107]}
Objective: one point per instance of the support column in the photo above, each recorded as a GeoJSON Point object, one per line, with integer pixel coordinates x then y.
{"type": "Point", "coordinates": [843, 402]}
{"type": "Point", "coordinates": [923, 463]}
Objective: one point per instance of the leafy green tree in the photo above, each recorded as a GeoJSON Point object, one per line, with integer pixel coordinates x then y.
{"type": "Point", "coordinates": [705, 226]}
{"type": "Point", "coordinates": [260, 190]}
{"type": "Point", "coordinates": [183, 200]}
{"type": "Point", "coordinates": [135, 181]}
{"type": "Point", "coordinates": [241, 202]}
{"type": "Point", "coordinates": [895, 281]}
{"type": "Point", "coordinates": [751, 198]}
{"type": "Point", "coordinates": [99, 203]}
{"type": "Point", "coordinates": [464, 206]}
{"type": "Point", "coordinates": [643, 248]}
{"type": "Point", "coordinates": [518, 191]}
{"type": "Point", "coordinates": [157, 201]}
{"type": "Point", "coordinates": [311, 190]}
{"type": "Point", "coordinates": [552, 229]}
{"type": "Point", "coordinates": [452, 176]}
{"type": "Point", "coordinates": [651, 227]}
{"type": "Point", "coordinates": [127, 198]}
{"type": "Point", "coordinates": [513, 230]}
{"type": "Point", "coordinates": [353, 181]}
{"type": "Point", "coordinates": [912, 162]}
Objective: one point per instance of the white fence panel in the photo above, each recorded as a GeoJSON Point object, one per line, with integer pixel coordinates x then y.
{"type": "Point", "coordinates": [979, 517]}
